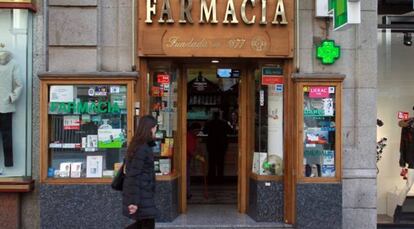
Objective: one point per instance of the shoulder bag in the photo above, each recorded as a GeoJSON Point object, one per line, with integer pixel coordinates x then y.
{"type": "Point", "coordinates": [118, 180]}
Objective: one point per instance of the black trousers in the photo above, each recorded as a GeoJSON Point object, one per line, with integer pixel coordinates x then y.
{"type": "Point", "coordinates": [142, 224]}
{"type": "Point", "coordinates": [216, 158]}
{"type": "Point", "coordinates": [7, 135]}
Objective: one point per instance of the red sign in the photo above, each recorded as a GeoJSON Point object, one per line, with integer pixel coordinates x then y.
{"type": "Point", "coordinates": [272, 80]}
{"type": "Point", "coordinates": [163, 78]}
{"type": "Point", "coordinates": [319, 92]}
{"type": "Point", "coordinates": [403, 115]}
{"type": "Point", "coordinates": [156, 91]}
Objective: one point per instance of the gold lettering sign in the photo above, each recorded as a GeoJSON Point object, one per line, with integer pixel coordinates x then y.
{"type": "Point", "coordinates": [280, 11]}
{"type": "Point", "coordinates": [166, 11]}
{"type": "Point", "coordinates": [208, 12]}
{"type": "Point", "coordinates": [243, 12]}
{"type": "Point", "coordinates": [264, 13]}
{"type": "Point", "coordinates": [151, 8]}
{"type": "Point", "coordinates": [186, 11]}
{"type": "Point", "coordinates": [230, 11]}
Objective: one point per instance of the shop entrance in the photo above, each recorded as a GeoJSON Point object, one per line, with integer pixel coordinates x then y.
{"type": "Point", "coordinates": [213, 130]}
{"type": "Point", "coordinates": [212, 134]}
{"type": "Point", "coordinates": [230, 164]}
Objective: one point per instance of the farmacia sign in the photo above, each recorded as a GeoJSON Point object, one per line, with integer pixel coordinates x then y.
{"type": "Point", "coordinates": [84, 107]}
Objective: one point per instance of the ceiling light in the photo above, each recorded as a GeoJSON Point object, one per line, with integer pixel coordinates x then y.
{"type": "Point", "coordinates": [215, 61]}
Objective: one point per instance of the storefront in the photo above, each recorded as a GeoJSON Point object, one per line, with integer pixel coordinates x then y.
{"type": "Point", "coordinates": [233, 58]}
{"type": "Point", "coordinates": [16, 98]}
{"type": "Point", "coordinates": [193, 60]}
{"type": "Point", "coordinates": [395, 111]}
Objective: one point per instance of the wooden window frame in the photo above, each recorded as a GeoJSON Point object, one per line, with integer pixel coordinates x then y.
{"type": "Point", "coordinates": [318, 80]}
{"type": "Point", "coordinates": [48, 79]}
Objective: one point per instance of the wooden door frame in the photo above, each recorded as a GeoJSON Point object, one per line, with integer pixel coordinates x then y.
{"type": "Point", "coordinates": [246, 124]}
{"type": "Point", "coordinates": [242, 139]}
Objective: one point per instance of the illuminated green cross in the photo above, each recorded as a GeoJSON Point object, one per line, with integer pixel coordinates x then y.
{"type": "Point", "coordinates": [328, 52]}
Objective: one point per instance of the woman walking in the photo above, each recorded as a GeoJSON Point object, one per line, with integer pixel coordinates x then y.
{"type": "Point", "coordinates": [139, 184]}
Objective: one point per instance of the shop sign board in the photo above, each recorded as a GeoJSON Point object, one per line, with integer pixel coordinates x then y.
{"type": "Point", "coordinates": [272, 75]}
{"type": "Point", "coordinates": [208, 12]}
{"type": "Point", "coordinates": [318, 92]}
{"type": "Point", "coordinates": [403, 115]}
{"type": "Point", "coordinates": [83, 107]}
{"type": "Point", "coordinates": [163, 79]}
{"type": "Point", "coordinates": [345, 12]}
{"type": "Point", "coordinates": [216, 28]}
{"type": "Point", "coordinates": [328, 52]}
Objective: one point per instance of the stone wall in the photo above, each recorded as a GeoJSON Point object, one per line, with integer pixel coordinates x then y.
{"type": "Point", "coordinates": [74, 36]}
{"type": "Point", "coordinates": [359, 63]}
{"type": "Point", "coordinates": [90, 35]}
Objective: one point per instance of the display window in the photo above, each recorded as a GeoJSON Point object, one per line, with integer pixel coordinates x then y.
{"type": "Point", "coordinates": [319, 131]}
{"type": "Point", "coordinates": [88, 127]}
{"type": "Point", "coordinates": [15, 92]}
{"type": "Point", "coordinates": [163, 107]}
{"type": "Point", "coordinates": [319, 126]}
{"type": "Point", "coordinates": [395, 128]}
{"type": "Point", "coordinates": [268, 121]}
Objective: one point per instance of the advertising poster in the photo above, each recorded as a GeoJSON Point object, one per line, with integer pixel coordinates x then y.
{"type": "Point", "coordinates": [275, 125]}
{"type": "Point", "coordinates": [328, 170]}
{"type": "Point", "coordinates": [62, 94]}
{"type": "Point", "coordinates": [71, 122]}
{"type": "Point", "coordinates": [318, 92]}
{"type": "Point", "coordinates": [163, 78]}
{"type": "Point", "coordinates": [110, 138]}
{"type": "Point", "coordinates": [94, 166]}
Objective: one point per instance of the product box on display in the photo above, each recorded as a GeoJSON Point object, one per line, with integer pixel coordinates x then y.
{"type": "Point", "coordinates": [110, 138]}
{"type": "Point", "coordinates": [94, 166]}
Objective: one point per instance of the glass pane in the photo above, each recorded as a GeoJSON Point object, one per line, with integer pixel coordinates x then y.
{"type": "Point", "coordinates": [268, 122]}
{"type": "Point", "coordinates": [15, 93]}
{"type": "Point", "coordinates": [163, 106]}
{"type": "Point", "coordinates": [87, 126]}
{"type": "Point", "coordinates": [319, 131]}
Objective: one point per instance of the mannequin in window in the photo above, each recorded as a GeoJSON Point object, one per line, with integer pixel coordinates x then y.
{"type": "Point", "coordinates": [10, 90]}
{"type": "Point", "coordinates": [406, 159]}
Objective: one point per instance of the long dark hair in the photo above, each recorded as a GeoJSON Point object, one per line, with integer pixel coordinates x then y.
{"type": "Point", "coordinates": [142, 136]}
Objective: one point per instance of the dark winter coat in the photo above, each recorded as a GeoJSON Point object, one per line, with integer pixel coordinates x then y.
{"type": "Point", "coordinates": [407, 147]}
{"type": "Point", "coordinates": [139, 184]}
{"type": "Point", "coordinates": [217, 131]}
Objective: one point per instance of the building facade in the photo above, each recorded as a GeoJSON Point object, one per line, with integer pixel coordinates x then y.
{"type": "Point", "coordinates": [99, 63]}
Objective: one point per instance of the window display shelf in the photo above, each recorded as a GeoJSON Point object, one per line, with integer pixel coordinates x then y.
{"type": "Point", "coordinates": [20, 184]}
{"type": "Point", "coordinates": [318, 128]}
{"type": "Point", "coordinates": [265, 177]}
{"type": "Point", "coordinates": [86, 124]}
{"type": "Point", "coordinates": [168, 177]}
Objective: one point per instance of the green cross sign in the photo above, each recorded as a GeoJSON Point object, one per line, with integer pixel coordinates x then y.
{"type": "Point", "coordinates": [328, 52]}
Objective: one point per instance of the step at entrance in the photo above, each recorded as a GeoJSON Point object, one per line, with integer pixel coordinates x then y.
{"type": "Point", "coordinates": [217, 216]}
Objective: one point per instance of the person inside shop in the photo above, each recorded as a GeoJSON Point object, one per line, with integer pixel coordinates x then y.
{"type": "Point", "coordinates": [10, 90]}
{"type": "Point", "coordinates": [139, 183]}
{"type": "Point", "coordinates": [406, 162]}
{"type": "Point", "coordinates": [234, 122]}
{"type": "Point", "coordinates": [192, 139]}
{"type": "Point", "coordinates": [217, 131]}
